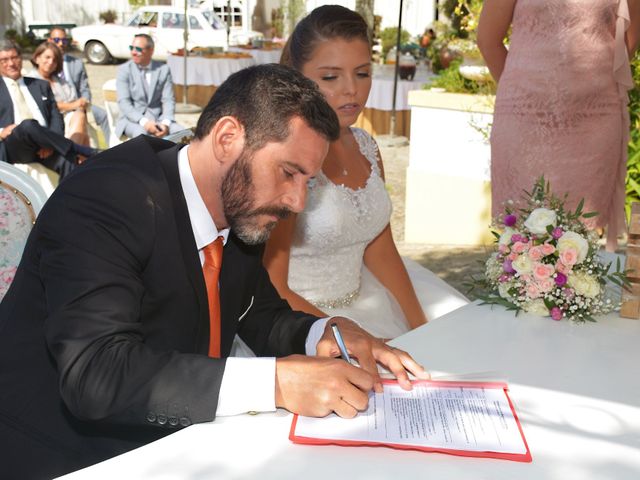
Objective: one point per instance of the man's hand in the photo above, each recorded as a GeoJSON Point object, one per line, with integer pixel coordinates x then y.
{"type": "Point", "coordinates": [369, 351]}
{"type": "Point", "coordinates": [44, 153]}
{"type": "Point", "coordinates": [161, 130]}
{"type": "Point", "coordinates": [6, 131]}
{"type": "Point", "coordinates": [151, 127]}
{"type": "Point", "coordinates": [315, 387]}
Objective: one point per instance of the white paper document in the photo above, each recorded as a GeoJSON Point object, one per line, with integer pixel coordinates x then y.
{"type": "Point", "coordinates": [473, 417]}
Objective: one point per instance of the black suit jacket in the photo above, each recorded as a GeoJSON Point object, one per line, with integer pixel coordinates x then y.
{"type": "Point", "coordinates": [104, 331]}
{"type": "Point", "coordinates": [42, 94]}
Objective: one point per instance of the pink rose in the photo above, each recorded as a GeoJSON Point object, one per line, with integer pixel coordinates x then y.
{"type": "Point", "coordinates": [520, 247]}
{"type": "Point", "coordinates": [546, 285]}
{"type": "Point", "coordinates": [542, 271]}
{"type": "Point", "coordinates": [547, 248]}
{"type": "Point", "coordinates": [503, 249]}
{"type": "Point", "coordinates": [535, 253]}
{"type": "Point", "coordinates": [569, 257]}
{"type": "Point", "coordinates": [562, 268]}
{"type": "Point", "coordinates": [512, 256]}
{"type": "Point", "coordinates": [532, 290]}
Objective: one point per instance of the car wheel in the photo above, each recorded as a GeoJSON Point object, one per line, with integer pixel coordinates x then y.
{"type": "Point", "coordinates": [97, 53]}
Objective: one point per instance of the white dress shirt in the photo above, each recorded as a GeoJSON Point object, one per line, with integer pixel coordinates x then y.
{"type": "Point", "coordinates": [31, 103]}
{"type": "Point", "coordinates": [248, 384]}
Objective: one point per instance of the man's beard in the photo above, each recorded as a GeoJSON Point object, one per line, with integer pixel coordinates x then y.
{"type": "Point", "coordinates": [238, 198]}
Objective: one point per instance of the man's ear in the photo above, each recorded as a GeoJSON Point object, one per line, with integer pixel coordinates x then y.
{"type": "Point", "coordinates": [227, 138]}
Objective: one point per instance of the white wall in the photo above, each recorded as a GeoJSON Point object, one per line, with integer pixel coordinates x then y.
{"type": "Point", "coordinates": [417, 15]}
{"type": "Point", "coordinates": [25, 12]}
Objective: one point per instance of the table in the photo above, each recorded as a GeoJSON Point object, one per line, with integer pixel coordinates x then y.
{"type": "Point", "coordinates": [203, 75]}
{"type": "Point", "coordinates": [574, 388]}
{"type": "Point", "coordinates": [376, 116]}
{"type": "Point", "coordinates": [261, 55]}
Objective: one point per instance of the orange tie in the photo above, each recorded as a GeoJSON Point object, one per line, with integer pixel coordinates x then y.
{"type": "Point", "coordinates": [211, 271]}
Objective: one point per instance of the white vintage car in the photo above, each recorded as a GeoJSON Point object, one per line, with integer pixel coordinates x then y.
{"type": "Point", "coordinates": [104, 42]}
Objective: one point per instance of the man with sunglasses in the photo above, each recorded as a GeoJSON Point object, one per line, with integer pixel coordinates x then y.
{"type": "Point", "coordinates": [145, 93]}
{"type": "Point", "coordinates": [75, 74]}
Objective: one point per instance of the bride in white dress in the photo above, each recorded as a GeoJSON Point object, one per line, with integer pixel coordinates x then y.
{"type": "Point", "coordinates": [338, 256]}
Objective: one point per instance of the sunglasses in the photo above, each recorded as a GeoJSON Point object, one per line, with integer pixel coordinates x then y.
{"type": "Point", "coordinates": [137, 49]}
{"type": "Point", "coordinates": [64, 41]}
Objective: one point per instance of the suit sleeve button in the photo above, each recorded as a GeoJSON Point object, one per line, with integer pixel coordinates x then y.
{"type": "Point", "coordinates": [173, 421]}
{"type": "Point", "coordinates": [162, 419]}
{"type": "Point", "coordinates": [185, 422]}
{"type": "Point", "coordinates": [151, 417]}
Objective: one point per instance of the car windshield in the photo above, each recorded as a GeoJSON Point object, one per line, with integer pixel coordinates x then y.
{"type": "Point", "coordinates": [144, 19]}
{"type": "Point", "coordinates": [214, 20]}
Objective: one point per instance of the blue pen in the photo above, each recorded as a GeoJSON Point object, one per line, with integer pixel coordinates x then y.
{"type": "Point", "coordinates": [343, 348]}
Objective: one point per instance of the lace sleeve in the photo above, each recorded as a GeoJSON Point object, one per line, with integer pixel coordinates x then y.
{"type": "Point", "coordinates": [368, 148]}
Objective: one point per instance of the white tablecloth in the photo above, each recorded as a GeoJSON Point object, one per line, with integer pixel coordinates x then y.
{"type": "Point", "coordinates": [575, 389]}
{"type": "Point", "coordinates": [381, 96]}
{"type": "Point", "coordinates": [205, 71]}
{"type": "Point", "coordinates": [260, 55]}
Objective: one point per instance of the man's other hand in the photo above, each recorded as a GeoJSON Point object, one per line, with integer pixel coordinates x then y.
{"type": "Point", "coordinates": [316, 387]}
{"type": "Point", "coordinates": [369, 351]}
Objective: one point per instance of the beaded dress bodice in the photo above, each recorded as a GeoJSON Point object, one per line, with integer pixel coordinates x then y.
{"type": "Point", "coordinates": [333, 231]}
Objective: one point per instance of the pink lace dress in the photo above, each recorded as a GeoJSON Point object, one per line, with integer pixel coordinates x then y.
{"type": "Point", "coordinates": [561, 106]}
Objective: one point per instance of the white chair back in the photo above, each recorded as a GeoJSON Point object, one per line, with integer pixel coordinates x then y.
{"type": "Point", "coordinates": [113, 112]}
{"type": "Point", "coordinates": [21, 198]}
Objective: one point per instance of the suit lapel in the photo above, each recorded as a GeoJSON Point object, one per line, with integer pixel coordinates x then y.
{"type": "Point", "coordinates": [38, 95]}
{"type": "Point", "coordinates": [169, 162]}
{"type": "Point", "coordinates": [6, 106]}
{"type": "Point", "coordinates": [153, 79]}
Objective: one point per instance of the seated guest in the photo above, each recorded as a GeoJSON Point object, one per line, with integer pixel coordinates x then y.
{"type": "Point", "coordinates": [74, 73]}
{"type": "Point", "coordinates": [31, 127]}
{"type": "Point", "coordinates": [145, 93]}
{"type": "Point", "coordinates": [47, 59]}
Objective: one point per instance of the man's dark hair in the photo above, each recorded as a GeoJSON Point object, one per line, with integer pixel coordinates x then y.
{"type": "Point", "coordinates": [148, 38]}
{"type": "Point", "coordinates": [264, 99]}
{"type": "Point", "coordinates": [6, 45]}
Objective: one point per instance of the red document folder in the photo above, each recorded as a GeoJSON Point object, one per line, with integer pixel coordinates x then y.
{"type": "Point", "coordinates": [471, 412]}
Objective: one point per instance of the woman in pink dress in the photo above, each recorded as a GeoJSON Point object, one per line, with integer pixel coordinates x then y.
{"type": "Point", "coordinates": [561, 105]}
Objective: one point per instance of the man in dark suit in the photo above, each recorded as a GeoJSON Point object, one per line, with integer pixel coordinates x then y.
{"type": "Point", "coordinates": [74, 72]}
{"type": "Point", "coordinates": [105, 330]}
{"type": "Point", "coordinates": [31, 126]}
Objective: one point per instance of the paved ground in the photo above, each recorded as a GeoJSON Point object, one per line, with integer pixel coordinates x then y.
{"type": "Point", "coordinates": [453, 264]}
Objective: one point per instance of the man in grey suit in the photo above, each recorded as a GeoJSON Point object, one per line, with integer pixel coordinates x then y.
{"type": "Point", "coordinates": [74, 72]}
{"type": "Point", "coordinates": [145, 93]}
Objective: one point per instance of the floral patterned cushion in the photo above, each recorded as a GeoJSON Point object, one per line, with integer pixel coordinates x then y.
{"type": "Point", "coordinates": [16, 220]}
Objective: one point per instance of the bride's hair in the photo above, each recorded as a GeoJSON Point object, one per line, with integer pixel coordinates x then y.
{"type": "Point", "coordinates": [322, 24]}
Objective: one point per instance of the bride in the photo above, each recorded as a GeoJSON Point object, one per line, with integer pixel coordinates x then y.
{"type": "Point", "coordinates": [338, 256]}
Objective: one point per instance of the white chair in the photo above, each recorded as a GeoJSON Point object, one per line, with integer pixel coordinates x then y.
{"type": "Point", "coordinates": [45, 177]}
{"type": "Point", "coordinates": [21, 198]}
{"type": "Point", "coordinates": [113, 112]}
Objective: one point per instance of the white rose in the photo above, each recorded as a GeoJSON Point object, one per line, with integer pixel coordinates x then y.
{"type": "Point", "coordinates": [536, 307]}
{"type": "Point", "coordinates": [584, 284]}
{"type": "Point", "coordinates": [522, 264]}
{"type": "Point", "coordinates": [505, 238]}
{"type": "Point", "coordinates": [539, 219]}
{"type": "Point", "coordinates": [503, 290]}
{"type": "Point", "coordinates": [577, 242]}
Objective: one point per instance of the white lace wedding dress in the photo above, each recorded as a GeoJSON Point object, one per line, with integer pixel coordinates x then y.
{"type": "Point", "coordinates": [326, 261]}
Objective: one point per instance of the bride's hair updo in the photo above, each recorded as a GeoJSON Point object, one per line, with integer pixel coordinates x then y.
{"type": "Point", "coordinates": [322, 24]}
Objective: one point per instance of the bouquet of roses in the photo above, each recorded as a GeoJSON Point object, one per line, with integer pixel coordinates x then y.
{"type": "Point", "coordinates": [547, 261]}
